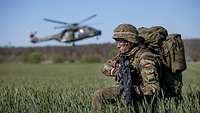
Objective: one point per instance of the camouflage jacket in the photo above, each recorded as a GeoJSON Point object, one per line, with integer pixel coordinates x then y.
{"type": "Point", "coordinates": [146, 68]}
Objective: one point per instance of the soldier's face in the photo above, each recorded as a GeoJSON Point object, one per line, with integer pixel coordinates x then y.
{"type": "Point", "coordinates": [123, 46]}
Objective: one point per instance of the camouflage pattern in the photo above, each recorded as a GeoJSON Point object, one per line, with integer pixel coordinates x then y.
{"type": "Point", "coordinates": [154, 35]}
{"type": "Point", "coordinates": [110, 68]}
{"type": "Point", "coordinates": [174, 53]}
{"type": "Point", "coordinates": [105, 96]}
{"type": "Point", "coordinates": [170, 47]}
{"type": "Point", "coordinates": [171, 83]}
{"type": "Point", "coordinates": [35, 39]}
{"type": "Point", "coordinates": [147, 67]}
{"type": "Point", "coordinates": [146, 82]}
{"type": "Point", "coordinates": [127, 32]}
{"type": "Point", "coordinates": [174, 64]}
{"type": "Point", "coordinates": [144, 65]}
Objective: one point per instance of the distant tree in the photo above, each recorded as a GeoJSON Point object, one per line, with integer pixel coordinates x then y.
{"type": "Point", "coordinates": [90, 59]}
{"type": "Point", "coordinates": [23, 58]}
{"type": "Point", "coordinates": [58, 59]}
{"type": "Point", "coordinates": [35, 57]}
{"type": "Point", "coordinates": [1, 59]}
{"type": "Point", "coordinates": [192, 49]}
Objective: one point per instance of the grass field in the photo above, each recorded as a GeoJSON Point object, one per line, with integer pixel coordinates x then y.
{"type": "Point", "coordinates": [58, 88]}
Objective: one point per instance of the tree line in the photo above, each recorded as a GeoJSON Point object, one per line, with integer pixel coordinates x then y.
{"type": "Point", "coordinates": [58, 54]}
{"type": "Point", "coordinates": [83, 53]}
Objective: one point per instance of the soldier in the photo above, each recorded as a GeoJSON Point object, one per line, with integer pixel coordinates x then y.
{"type": "Point", "coordinates": [140, 68]}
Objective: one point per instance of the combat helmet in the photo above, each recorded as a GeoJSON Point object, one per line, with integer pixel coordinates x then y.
{"type": "Point", "coordinates": [127, 32]}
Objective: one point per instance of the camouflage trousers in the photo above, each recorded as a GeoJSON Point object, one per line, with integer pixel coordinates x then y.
{"type": "Point", "coordinates": [112, 95]}
{"type": "Point", "coordinates": [105, 96]}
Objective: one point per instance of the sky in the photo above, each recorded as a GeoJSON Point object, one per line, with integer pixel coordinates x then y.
{"type": "Point", "coordinates": [20, 17]}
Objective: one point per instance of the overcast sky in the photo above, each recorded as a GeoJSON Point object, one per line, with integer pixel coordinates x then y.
{"type": "Point", "coordinates": [20, 17]}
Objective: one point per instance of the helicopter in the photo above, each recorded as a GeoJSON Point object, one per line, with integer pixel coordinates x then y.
{"type": "Point", "coordinates": [72, 32]}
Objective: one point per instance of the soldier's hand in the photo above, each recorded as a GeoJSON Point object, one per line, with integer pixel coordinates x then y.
{"type": "Point", "coordinates": [113, 63]}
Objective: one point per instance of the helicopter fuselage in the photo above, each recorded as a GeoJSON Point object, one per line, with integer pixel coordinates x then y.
{"type": "Point", "coordinates": [73, 32]}
{"type": "Point", "coordinates": [82, 33]}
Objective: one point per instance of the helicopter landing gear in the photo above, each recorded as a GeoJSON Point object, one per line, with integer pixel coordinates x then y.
{"type": "Point", "coordinates": [97, 38]}
{"type": "Point", "coordinates": [73, 44]}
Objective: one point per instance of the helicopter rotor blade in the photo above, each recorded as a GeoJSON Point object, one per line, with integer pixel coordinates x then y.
{"type": "Point", "coordinates": [88, 18]}
{"type": "Point", "coordinates": [58, 27]}
{"type": "Point", "coordinates": [55, 21]}
{"type": "Point", "coordinates": [99, 23]}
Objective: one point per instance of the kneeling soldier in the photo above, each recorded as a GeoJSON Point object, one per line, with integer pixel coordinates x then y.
{"type": "Point", "coordinates": [135, 68]}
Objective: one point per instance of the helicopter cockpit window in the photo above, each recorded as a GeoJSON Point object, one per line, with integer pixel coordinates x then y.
{"type": "Point", "coordinates": [87, 29]}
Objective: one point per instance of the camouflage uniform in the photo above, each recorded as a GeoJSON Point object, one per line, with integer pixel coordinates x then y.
{"type": "Point", "coordinates": [144, 66]}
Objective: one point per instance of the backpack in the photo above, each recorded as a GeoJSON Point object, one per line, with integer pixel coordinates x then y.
{"type": "Point", "coordinates": [170, 48]}
{"type": "Point", "coordinates": [174, 54]}
{"type": "Point", "coordinates": [153, 36]}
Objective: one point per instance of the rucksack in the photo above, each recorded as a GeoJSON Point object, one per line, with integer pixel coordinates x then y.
{"type": "Point", "coordinates": [171, 50]}
{"type": "Point", "coordinates": [153, 36]}
{"type": "Point", "coordinates": [174, 54]}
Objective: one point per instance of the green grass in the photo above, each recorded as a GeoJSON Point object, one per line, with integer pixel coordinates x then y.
{"type": "Point", "coordinates": [58, 88]}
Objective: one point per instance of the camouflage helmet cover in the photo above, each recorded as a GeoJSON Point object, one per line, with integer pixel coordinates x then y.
{"type": "Point", "coordinates": [127, 32]}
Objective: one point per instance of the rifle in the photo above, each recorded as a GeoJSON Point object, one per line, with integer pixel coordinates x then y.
{"type": "Point", "coordinates": [125, 79]}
